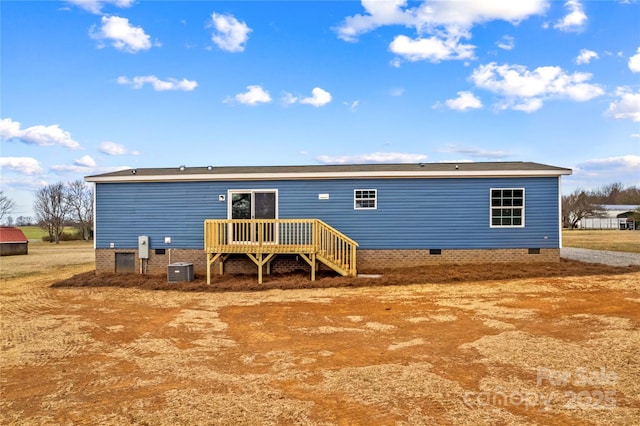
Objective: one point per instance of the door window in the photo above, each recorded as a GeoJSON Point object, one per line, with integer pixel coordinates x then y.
{"type": "Point", "coordinates": [253, 204]}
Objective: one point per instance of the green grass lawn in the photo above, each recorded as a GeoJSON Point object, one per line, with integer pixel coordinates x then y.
{"type": "Point", "coordinates": [36, 233]}
{"type": "Point", "coordinates": [613, 240]}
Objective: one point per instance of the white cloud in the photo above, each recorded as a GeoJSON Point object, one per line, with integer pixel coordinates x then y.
{"type": "Point", "coordinates": [574, 20]}
{"type": "Point", "coordinates": [30, 185]}
{"type": "Point", "coordinates": [375, 157]}
{"type": "Point", "coordinates": [319, 97]}
{"type": "Point", "coordinates": [475, 152]}
{"type": "Point", "coordinates": [95, 6]}
{"type": "Point", "coordinates": [37, 135]}
{"type": "Point", "coordinates": [594, 173]}
{"type": "Point", "coordinates": [626, 162]}
{"type": "Point", "coordinates": [289, 99]}
{"type": "Point", "coordinates": [82, 165]}
{"type": "Point", "coordinates": [627, 107]}
{"type": "Point", "coordinates": [112, 148]}
{"type": "Point", "coordinates": [434, 15]}
{"type": "Point", "coordinates": [379, 13]}
{"type": "Point", "coordinates": [464, 101]}
{"type": "Point", "coordinates": [440, 25]}
{"type": "Point", "coordinates": [622, 168]}
{"type": "Point", "coordinates": [253, 96]}
{"type": "Point", "coordinates": [586, 56]}
{"type": "Point", "coordinates": [506, 43]}
{"type": "Point", "coordinates": [526, 105]}
{"type": "Point", "coordinates": [85, 161]}
{"type": "Point", "coordinates": [23, 165]}
{"type": "Point", "coordinates": [157, 84]}
{"type": "Point", "coordinates": [352, 105]}
{"type": "Point", "coordinates": [123, 36]}
{"type": "Point", "coordinates": [474, 12]}
{"type": "Point", "coordinates": [634, 62]}
{"type": "Point", "coordinates": [526, 90]}
{"type": "Point", "coordinates": [434, 49]}
{"type": "Point", "coordinates": [229, 34]}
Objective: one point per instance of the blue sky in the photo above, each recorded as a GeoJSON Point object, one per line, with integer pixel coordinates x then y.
{"type": "Point", "coordinates": [92, 86]}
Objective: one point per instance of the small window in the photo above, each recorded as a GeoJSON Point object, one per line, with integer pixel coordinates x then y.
{"type": "Point", "coordinates": [365, 199]}
{"type": "Point", "coordinates": [507, 208]}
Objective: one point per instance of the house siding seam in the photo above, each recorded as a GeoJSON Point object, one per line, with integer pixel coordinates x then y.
{"type": "Point", "coordinates": [411, 214]}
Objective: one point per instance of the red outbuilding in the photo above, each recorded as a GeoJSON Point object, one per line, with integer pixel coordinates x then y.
{"type": "Point", "coordinates": [12, 241]}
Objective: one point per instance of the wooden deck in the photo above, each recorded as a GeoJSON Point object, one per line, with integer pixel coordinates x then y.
{"type": "Point", "coordinates": [263, 239]}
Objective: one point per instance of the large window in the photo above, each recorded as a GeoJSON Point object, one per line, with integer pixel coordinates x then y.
{"type": "Point", "coordinates": [507, 207]}
{"type": "Point", "coordinates": [365, 199]}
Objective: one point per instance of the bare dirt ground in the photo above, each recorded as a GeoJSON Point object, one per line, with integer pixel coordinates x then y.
{"type": "Point", "coordinates": [489, 344]}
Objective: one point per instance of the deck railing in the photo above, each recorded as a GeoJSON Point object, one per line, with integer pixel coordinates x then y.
{"type": "Point", "coordinates": [312, 238]}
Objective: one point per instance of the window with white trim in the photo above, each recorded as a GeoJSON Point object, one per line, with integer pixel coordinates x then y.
{"type": "Point", "coordinates": [365, 199]}
{"type": "Point", "coordinates": [507, 207]}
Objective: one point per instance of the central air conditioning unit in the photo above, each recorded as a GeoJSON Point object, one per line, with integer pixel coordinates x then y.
{"type": "Point", "coordinates": [179, 271]}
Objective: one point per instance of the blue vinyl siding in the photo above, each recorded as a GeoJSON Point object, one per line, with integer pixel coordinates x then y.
{"type": "Point", "coordinates": [411, 213]}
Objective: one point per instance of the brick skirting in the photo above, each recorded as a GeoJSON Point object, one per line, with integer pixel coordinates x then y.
{"type": "Point", "coordinates": [368, 260]}
{"type": "Point", "coordinates": [372, 260]}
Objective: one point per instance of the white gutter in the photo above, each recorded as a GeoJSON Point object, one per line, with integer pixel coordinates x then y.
{"type": "Point", "coordinates": [328, 175]}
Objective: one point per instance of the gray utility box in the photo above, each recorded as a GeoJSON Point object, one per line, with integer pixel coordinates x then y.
{"type": "Point", "coordinates": [179, 271]}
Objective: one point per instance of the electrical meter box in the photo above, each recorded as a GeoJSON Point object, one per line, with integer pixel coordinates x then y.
{"type": "Point", "coordinates": [143, 247]}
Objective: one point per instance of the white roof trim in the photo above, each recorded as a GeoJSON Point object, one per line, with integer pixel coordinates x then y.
{"type": "Point", "coordinates": [328, 175]}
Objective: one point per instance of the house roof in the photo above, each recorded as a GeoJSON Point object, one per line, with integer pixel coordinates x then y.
{"type": "Point", "coordinates": [619, 207]}
{"type": "Point", "coordinates": [613, 211]}
{"type": "Point", "coordinates": [352, 171]}
{"type": "Point", "coordinates": [9, 234]}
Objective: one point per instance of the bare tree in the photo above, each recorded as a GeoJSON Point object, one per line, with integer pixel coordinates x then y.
{"type": "Point", "coordinates": [576, 207]}
{"type": "Point", "coordinates": [80, 202]}
{"type": "Point", "coordinates": [51, 209]}
{"type": "Point", "coordinates": [6, 205]}
{"type": "Point", "coordinates": [615, 193]}
{"type": "Point", "coordinates": [23, 221]}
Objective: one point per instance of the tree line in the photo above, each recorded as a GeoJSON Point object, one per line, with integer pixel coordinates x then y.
{"type": "Point", "coordinates": [56, 206]}
{"type": "Point", "coordinates": [580, 203]}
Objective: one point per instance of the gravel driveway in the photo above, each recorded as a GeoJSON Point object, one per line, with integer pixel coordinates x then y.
{"type": "Point", "coordinates": [613, 258]}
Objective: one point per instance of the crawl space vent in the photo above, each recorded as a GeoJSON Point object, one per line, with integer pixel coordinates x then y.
{"type": "Point", "coordinates": [180, 271]}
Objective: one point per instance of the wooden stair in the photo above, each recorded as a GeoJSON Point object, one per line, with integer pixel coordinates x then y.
{"type": "Point", "coordinates": [262, 239]}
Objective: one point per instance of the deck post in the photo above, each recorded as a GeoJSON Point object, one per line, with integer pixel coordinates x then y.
{"type": "Point", "coordinates": [211, 258]}
{"type": "Point", "coordinates": [208, 269]}
{"type": "Point", "coordinates": [222, 260]}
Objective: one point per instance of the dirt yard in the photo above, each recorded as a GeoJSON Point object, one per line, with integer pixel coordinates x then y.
{"type": "Point", "coordinates": [555, 344]}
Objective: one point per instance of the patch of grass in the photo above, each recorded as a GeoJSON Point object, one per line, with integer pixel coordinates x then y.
{"type": "Point", "coordinates": [33, 232]}
{"type": "Point", "coordinates": [37, 233]}
{"type": "Point", "coordinates": [613, 240]}
{"type": "Point", "coordinates": [47, 258]}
